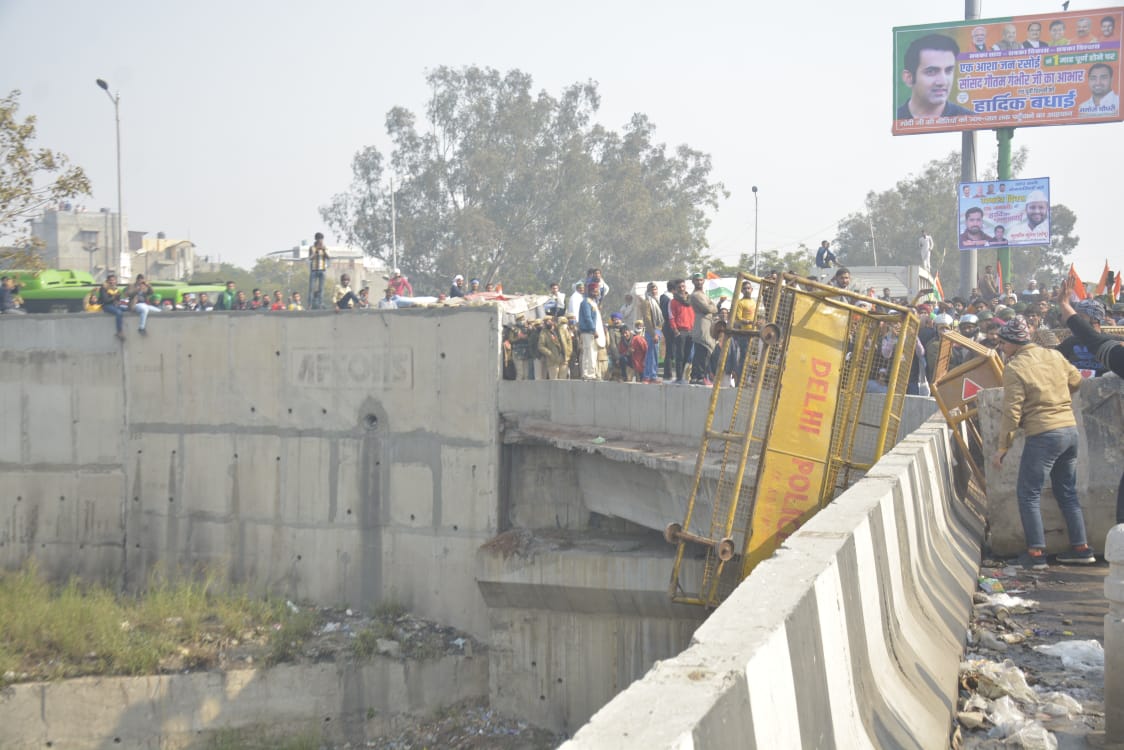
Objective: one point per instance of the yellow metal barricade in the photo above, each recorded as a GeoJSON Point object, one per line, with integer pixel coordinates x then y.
{"type": "Point", "coordinates": [798, 428]}
{"type": "Point", "coordinates": [955, 387]}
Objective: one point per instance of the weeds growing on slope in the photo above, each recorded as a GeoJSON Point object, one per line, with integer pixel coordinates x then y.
{"type": "Point", "coordinates": [50, 631]}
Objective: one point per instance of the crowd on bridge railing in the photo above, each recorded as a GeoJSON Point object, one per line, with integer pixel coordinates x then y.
{"type": "Point", "coordinates": [672, 335]}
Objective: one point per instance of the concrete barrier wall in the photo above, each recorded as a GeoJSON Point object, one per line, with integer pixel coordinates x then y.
{"type": "Point", "coordinates": [339, 458]}
{"type": "Point", "coordinates": [675, 411]}
{"type": "Point", "coordinates": [1099, 408]}
{"type": "Point", "coordinates": [328, 702]}
{"type": "Point", "coordinates": [850, 636]}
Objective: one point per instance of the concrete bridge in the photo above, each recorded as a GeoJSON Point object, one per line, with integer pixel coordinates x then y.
{"type": "Point", "coordinates": [378, 456]}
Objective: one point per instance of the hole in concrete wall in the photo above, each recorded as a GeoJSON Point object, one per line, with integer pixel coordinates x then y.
{"type": "Point", "coordinates": [278, 458]}
{"type": "Point", "coordinates": [327, 718]}
{"type": "Point", "coordinates": [19, 498]}
{"type": "Point", "coordinates": [298, 558]}
{"type": "Point", "coordinates": [349, 511]}
{"type": "Point", "coordinates": [252, 409]}
{"type": "Point", "coordinates": [371, 422]}
{"type": "Point", "coordinates": [455, 527]}
{"type": "Point", "coordinates": [136, 499]}
{"type": "Point", "coordinates": [189, 356]}
{"type": "Point", "coordinates": [442, 355]}
{"type": "Point", "coordinates": [139, 451]}
{"type": "Point", "coordinates": [62, 498]}
{"type": "Point", "coordinates": [411, 516]}
{"type": "Point", "coordinates": [235, 456]}
{"type": "Point", "coordinates": [534, 663]}
{"type": "Point", "coordinates": [50, 744]}
{"type": "Point", "coordinates": [290, 411]}
{"type": "Point", "coordinates": [117, 740]}
{"type": "Point", "coordinates": [173, 453]}
{"type": "Point", "coordinates": [137, 546]}
{"type": "Point", "coordinates": [542, 697]}
{"type": "Point", "coordinates": [323, 411]}
{"type": "Point", "coordinates": [559, 680]}
{"type": "Point", "coordinates": [277, 353]}
{"type": "Point", "coordinates": [171, 499]}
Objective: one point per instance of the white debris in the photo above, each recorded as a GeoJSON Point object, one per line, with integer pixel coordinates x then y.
{"type": "Point", "coordinates": [1060, 704]}
{"type": "Point", "coordinates": [330, 627]}
{"type": "Point", "coordinates": [1015, 604]}
{"type": "Point", "coordinates": [996, 680]}
{"type": "Point", "coordinates": [1085, 656]}
{"type": "Point", "coordinates": [292, 607]}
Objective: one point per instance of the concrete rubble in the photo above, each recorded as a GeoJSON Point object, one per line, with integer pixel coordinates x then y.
{"type": "Point", "coordinates": [1033, 672]}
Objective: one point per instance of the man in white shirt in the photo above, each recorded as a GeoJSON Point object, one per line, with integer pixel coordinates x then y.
{"type": "Point", "coordinates": [925, 247]}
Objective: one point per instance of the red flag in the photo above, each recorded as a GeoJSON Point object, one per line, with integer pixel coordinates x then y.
{"type": "Point", "coordinates": [940, 289]}
{"type": "Point", "coordinates": [1075, 283]}
{"type": "Point", "coordinates": [999, 278]}
{"type": "Point", "coordinates": [1103, 283]}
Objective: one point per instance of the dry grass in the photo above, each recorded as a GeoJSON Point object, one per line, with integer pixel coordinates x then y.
{"type": "Point", "coordinates": [49, 631]}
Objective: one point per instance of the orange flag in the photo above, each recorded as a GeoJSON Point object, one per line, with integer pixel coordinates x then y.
{"type": "Point", "coordinates": [999, 277]}
{"type": "Point", "coordinates": [1103, 283]}
{"type": "Point", "coordinates": [713, 275]}
{"type": "Point", "coordinates": [1116, 289]}
{"type": "Point", "coordinates": [1076, 284]}
{"type": "Point", "coordinates": [937, 284]}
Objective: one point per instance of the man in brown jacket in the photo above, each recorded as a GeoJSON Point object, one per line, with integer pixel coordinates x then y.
{"type": "Point", "coordinates": [1037, 384]}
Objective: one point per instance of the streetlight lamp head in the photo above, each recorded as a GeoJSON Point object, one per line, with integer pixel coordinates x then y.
{"type": "Point", "coordinates": [103, 85]}
{"type": "Point", "coordinates": [754, 188]}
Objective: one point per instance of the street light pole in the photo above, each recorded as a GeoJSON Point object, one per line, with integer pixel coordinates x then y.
{"type": "Point", "coordinates": [754, 189]}
{"type": "Point", "coordinates": [124, 269]}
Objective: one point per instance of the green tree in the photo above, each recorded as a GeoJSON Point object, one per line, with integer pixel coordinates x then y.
{"type": "Point", "coordinates": [505, 184]}
{"type": "Point", "coordinates": [30, 180]}
{"type": "Point", "coordinates": [886, 231]}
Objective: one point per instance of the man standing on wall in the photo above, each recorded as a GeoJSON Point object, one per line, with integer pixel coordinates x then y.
{"type": "Point", "coordinates": [1037, 384]}
{"type": "Point", "coordinates": [705, 315]}
{"type": "Point", "coordinates": [925, 248]}
{"type": "Point", "coordinates": [317, 264]}
{"type": "Point", "coordinates": [653, 321]}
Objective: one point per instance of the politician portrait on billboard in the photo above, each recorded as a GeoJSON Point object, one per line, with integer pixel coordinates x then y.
{"type": "Point", "coordinates": [1049, 69]}
{"type": "Point", "coordinates": [1005, 213]}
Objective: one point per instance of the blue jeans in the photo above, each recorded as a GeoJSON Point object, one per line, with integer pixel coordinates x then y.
{"type": "Point", "coordinates": [652, 357]}
{"type": "Point", "coordinates": [1052, 453]}
{"type": "Point", "coordinates": [315, 290]}
{"type": "Point", "coordinates": [118, 311]}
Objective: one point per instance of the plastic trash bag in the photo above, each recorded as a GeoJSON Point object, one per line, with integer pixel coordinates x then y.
{"type": "Point", "coordinates": [1084, 656]}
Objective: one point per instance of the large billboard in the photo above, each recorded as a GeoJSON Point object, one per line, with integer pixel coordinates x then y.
{"type": "Point", "coordinates": [1048, 69]}
{"type": "Point", "coordinates": [1006, 213]}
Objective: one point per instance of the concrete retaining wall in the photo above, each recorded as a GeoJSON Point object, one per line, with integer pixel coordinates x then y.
{"type": "Point", "coordinates": [1099, 408]}
{"type": "Point", "coordinates": [339, 458]}
{"type": "Point", "coordinates": [329, 702]}
{"type": "Point", "coordinates": [850, 636]}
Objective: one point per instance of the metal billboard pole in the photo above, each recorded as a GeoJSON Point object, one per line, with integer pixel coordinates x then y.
{"type": "Point", "coordinates": [969, 259]}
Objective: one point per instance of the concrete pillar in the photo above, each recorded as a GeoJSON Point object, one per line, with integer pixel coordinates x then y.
{"type": "Point", "coordinates": [1114, 637]}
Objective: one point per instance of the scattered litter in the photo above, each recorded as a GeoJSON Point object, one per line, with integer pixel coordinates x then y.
{"type": "Point", "coordinates": [989, 640]}
{"type": "Point", "coordinates": [1016, 605]}
{"type": "Point", "coordinates": [1085, 656]}
{"type": "Point", "coordinates": [330, 627]}
{"type": "Point", "coordinates": [1060, 704]}
{"type": "Point", "coordinates": [292, 607]}
{"type": "Point", "coordinates": [1005, 717]}
{"type": "Point", "coordinates": [998, 679]}
{"type": "Point", "coordinates": [597, 440]}
{"type": "Point", "coordinates": [991, 585]}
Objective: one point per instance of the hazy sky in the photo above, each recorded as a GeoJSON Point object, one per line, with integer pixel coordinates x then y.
{"type": "Point", "coordinates": [240, 119]}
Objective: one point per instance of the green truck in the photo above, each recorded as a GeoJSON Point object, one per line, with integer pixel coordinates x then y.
{"type": "Point", "coordinates": [57, 291]}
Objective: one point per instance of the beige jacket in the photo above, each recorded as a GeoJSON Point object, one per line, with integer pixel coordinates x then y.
{"type": "Point", "coordinates": [1037, 384]}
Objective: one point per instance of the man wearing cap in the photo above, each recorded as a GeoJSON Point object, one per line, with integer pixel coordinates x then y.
{"type": "Point", "coordinates": [1036, 226]}
{"type": "Point", "coordinates": [1083, 357]}
{"type": "Point", "coordinates": [400, 284]}
{"type": "Point", "coordinates": [551, 351]}
{"type": "Point", "coordinates": [613, 335]}
{"type": "Point", "coordinates": [1037, 383]}
{"type": "Point", "coordinates": [457, 289]}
